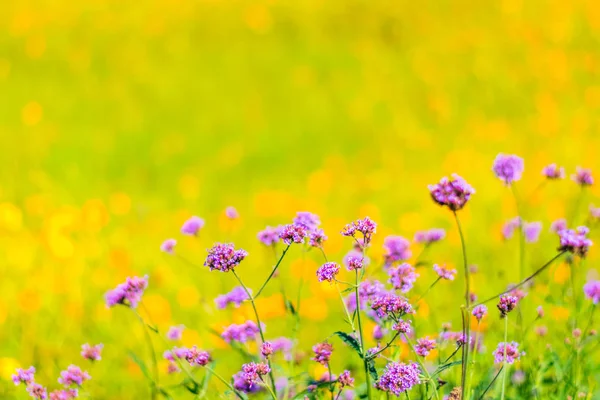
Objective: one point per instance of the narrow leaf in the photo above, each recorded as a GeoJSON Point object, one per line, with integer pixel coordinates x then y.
{"type": "Point", "coordinates": [350, 341]}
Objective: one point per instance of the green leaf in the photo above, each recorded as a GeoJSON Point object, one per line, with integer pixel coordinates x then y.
{"type": "Point", "coordinates": [348, 290]}
{"type": "Point", "coordinates": [444, 367]}
{"type": "Point", "coordinates": [141, 364]}
{"type": "Point", "coordinates": [290, 307]}
{"type": "Point", "coordinates": [350, 341]}
{"type": "Point", "coordinates": [152, 328]}
{"type": "Point", "coordinates": [372, 369]}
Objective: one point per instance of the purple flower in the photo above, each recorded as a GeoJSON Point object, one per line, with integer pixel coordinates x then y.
{"type": "Point", "coordinates": [508, 168]}
{"type": "Point", "coordinates": [510, 226]}
{"type": "Point", "coordinates": [558, 225]}
{"type": "Point", "coordinates": [293, 234]}
{"type": "Point", "coordinates": [64, 394]}
{"type": "Point", "coordinates": [128, 293]}
{"type": "Point", "coordinates": [73, 375]}
{"type": "Point", "coordinates": [366, 226]}
{"type": "Point", "coordinates": [575, 241]}
{"type": "Point", "coordinates": [512, 353]}
{"type": "Point", "coordinates": [591, 290]}
{"type": "Point", "coordinates": [552, 171]}
{"type": "Point", "coordinates": [307, 220]}
{"type": "Point", "coordinates": [397, 378]}
{"type": "Point", "coordinates": [92, 353]}
{"type": "Point", "coordinates": [236, 297]}
{"type": "Point", "coordinates": [241, 384]}
{"type": "Point", "coordinates": [402, 327]}
{"type": "Point", "coordinates": [328, 271]}
{"type": "Point", "coordinates": [224, 257]}
{"type": "Point", "coordinates": [480, 311]}
{"type": "Point", "coordinates": [532, 231]}
{"type": "Point", "coordinates": [192, 226]}
{"type": "Point", "coordinates": [37, 391]}
{"type": "Point", "coordinates": [453, 193]}
{"type": "Point", "coordinates": [316, 238]}
{"type": "Point", "coordinates": [378, 332]}
{"type": "Point", "coordinates": [354, 260]}
{"type": "Point", "coordinates": [25, 376]}
{"type": "Point", "coordinates": [283, 345]}
{"type": "Point", "coordinates": [518, 378]}
{"type": "Point", "coordinates": [583, 177]}
{"type": "Point", "coordinates": [403, 277]}
{"type": "Point", "coordinates": [196, 357]}
{"type": "Point", "coordinates": [252, 374]}
{"type": "Point", "coordinates": [367, 290]}
{"type": "Point", "coordinates": [231, 213]}
{"type": "Point", "coordinates": [269, 236]}
{"type": "Point", "coordinates": [594, 212]}
{"type": "Point", "coordinates": [266, 349]}
{"type": "Point", "coordinates": [175, 332]}
{"type": "Point", "coordinates": [396, 249]}
{"type": "Point", "coordinates": [424, 346]}
{"type": "Point", "coordinates": [322, 352]}
{"type": "Point", "coordinates": [241, 333]}
{"type": "Point", "coordinates": [444, 273]}
{"type": "Point", "coordinates": [540, 311]}
{"type": "Point", "coordinates": [430, 236]}
{"type": "Point", "coordinates": [506, 304]}
{"type": "Point", "coordinates": [392, 306]}
{"type": "Point", "coordinates": [177, 352]}
{"type": "Point", "coordinates": [168, 246]}
{"type": "Point", "coordinates": [345, 379]}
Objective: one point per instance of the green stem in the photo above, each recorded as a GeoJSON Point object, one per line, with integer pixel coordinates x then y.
{"type": "Point", "coordinates": [270, 390]}
{"type": "Point", "coordinates": [331, 386]}
{"type": "Point", "coordinates": [212, 371]}
{"type": "Point", "coordinates": [465, 313]}
{"type": "Point", "coordinates": [427, 291]}
{"type": "Point", "coordinates": [362, 341]}
{"type": "Point", "coordinates": [504, 360]}
{"type": "Point", "coordinates": [273, 271]}
{"type": "Point", "coordinates": [154, 384]}
{"type": "Point", "coordinates": [536, 273]}
{"type": "Point", "coordinates": [350, 321]}
{"type": "Point", "coordinates": [491, 383]}
{"type": "Point", "coordinates": [260, 330]}
{"type": "Point", "coordinates": [427, 375]}
{"type": "Point", "coordinates": [372, 356]}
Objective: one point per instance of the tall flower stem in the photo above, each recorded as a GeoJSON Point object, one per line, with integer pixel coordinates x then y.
{"type": "Point", "coordinates": [504, 361]}
{"type": "Point", "coordinates": [273, 271]}
{"type": "Point", "coordinates": [348, 317]}
{"type": "Point", "coordinates": [154, 384]}
{"type": "Point", "coordinates": [362, 341]}
{"type": "Point", "coordinates": [260, 330]}
{"type": "Point", "coordinates": [523, 282]}
{"type": "Point", "coordinates": [465, 313]}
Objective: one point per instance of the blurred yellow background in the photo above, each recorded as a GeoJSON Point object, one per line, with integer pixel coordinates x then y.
{"type": "Point", "coordinates": [118, 120]}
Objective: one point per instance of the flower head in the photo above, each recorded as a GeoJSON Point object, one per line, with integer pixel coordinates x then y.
{"type": "Point", "coordinates": [251, 375]}
{"type": "Point", "coordinates": [402, 327]}
{"type": "Point", "coordinates": [366, 226]}
{"type": "Point", "coordinates": [392, 306]}
{"type": "Point", "coordinates": [506, 304]}
{"type": "Point", "coordinates": [592, 291]}
{"type": "Point", "coordinates": [175, 332]}
{"type": "Point", "coordinates": [430, 236]}
{"type": "Point", "coordinates": [424, 346]}
{"type": "Point", "coordinates": [512, 353]}
{"type": "Point", "coordinates": [224, 257]}
{"type": "Point", "coordinates": [37, 391]}
{"type": "Point", "coordinates": [92, 353]}
{"type": "Point", "coordinates": [168, 246]}
{"type": "Point", "coordinates": [510, 226]}
{"type": "Point", "coordinates": [293, 233]}
{"type": "Point", "coordinates": [25, 376]}
{"type": "Point", "coordinates": [594, 212]}
{"type": "Point", "coordinates": [316, 238]}
{"type": "Point", "coordinates": [73, 375]}
{"type": "Point", "coordinates": [328, 271]}
{"type": "Point", "coordinates": [241, 333]}
{"type": "Point", "coordinates": [231, 213]}
{"type": "Point", "coordinates": [345, 379]}
{"type": "Point", "coordinates": [508, 168]}
{"type": "Point", "coordinates": [266, 349]}
{"type": "Point", "coordinates": [552, 171]}
{"type": "Point", "coordinates": [575, 241]}
{"type": "Point", "coordinates": [397, 378]}
{"type": "Point", "coordinates": [558, 225]}
{"type": "Point", "coordinates": [453, 193]}
{"type": "Point", "coordinates": [307, 220]}
{"type": "Point", "coordinates": [196, 357]}
{"type": "Point", "coordinates": [354, 260]}
{"type": "Point", "coordinates": [396, 248]}
{"type": "Point", "coordinates": [192, 226]}
{"type": "Point", "coordinates": [583, 177]}
{"type": "Point", "coordinates": [479, 312]}
{"type": "Point", "coordinates": [532, 230]}
{"type": "Point", "coordinates": [269, 236]}
{"type": "Point", "coordinates": [236, 296]}
{"type": "Point", "coordinates": [403, 277]}
{"type": "Point", "coordinates": [64, 394]}
{"type": "Point", "coordinates": [128, 293]}
{"type": "Point", "coordinates": [444, 273]}
{"type": "Point", "coordinates": [322, 352]}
